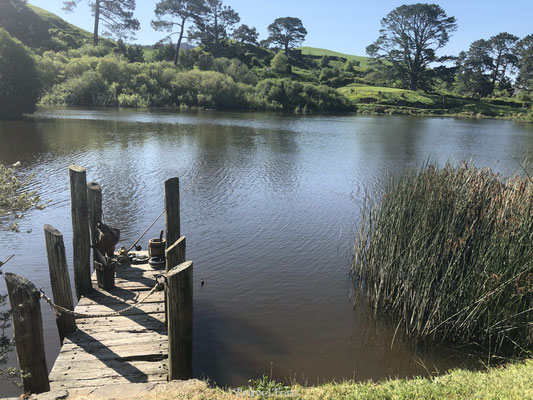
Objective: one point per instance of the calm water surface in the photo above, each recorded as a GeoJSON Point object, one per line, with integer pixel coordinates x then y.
{"type": "Point", "coordinates": [269, 221]}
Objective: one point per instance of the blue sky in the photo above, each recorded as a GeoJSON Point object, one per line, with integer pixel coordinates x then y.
{"type": "Point", "coordinates": [347, 26]}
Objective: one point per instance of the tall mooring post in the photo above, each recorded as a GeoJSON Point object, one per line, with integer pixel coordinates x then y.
{"type": "Point", "coordinates": [80, 230]}
{"type": "Point", "coordinates": [172, 210]}
{"type": "Point", "coordinates": [28, 331]}
{"type": "Point", "coordinates": [180, 321]}
{"type": "Point", "coordinates": [94, 200]}
{"type": "Point", "coordinates": [59, 278]}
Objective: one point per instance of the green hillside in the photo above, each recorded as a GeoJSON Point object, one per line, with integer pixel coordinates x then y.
{"type": "Point", "coordinates": [55, 22]}
{"type": "Point", "coordinates": [48, 31]}
{"type": "Point", "coordinates": [315, 51]}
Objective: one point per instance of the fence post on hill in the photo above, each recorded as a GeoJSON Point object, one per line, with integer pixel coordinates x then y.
{"type": "Point", "coordinates": [94, 200]}
{"type": "Point", "coordinates": [60, 280]}
{"type": "Point", "coordinates": [28, 332]}
{"type": "Point", "coordinates": [80, 230]}
{"type": "Point", "coordinates": [172, 210]}
{"type": "Point", "coordinates": [180, 321]}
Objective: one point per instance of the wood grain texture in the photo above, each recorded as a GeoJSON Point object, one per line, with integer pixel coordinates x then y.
{"type": "Point", "coordinates": [28, 332]}
{"type": "Point", "coordinates": [94, 201]}
{"type": "Point", "coordinates": [59, 278]}
{"type": "Point", "coordinates": [172, 210]}
{"type": "Point", "coordinates": [80, 230]}
{"type": "Point", "coordinates": [129, 348]}
{"type": "Point", "coordinates": [180, 320]}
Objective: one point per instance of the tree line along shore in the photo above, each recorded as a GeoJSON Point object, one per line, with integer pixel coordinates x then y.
{"type": "Point", "coordinates": [208, 59]}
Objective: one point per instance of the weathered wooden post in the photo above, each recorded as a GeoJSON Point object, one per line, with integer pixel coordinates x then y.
{"type": "Point", "coordinates": [80, 230]}
{"type": "Point", "coordinates": [180, 316]}
{"type": "Point", "coordinates": [172, 210]}
{"type": "Point", "coordinates": [28, 331]}
{"type": "Point", "coordinates": [59, 278]}
{"type": "Point", "coordinates": [94, 200]}
{"type": "Point", "coordinates": [175, 254]}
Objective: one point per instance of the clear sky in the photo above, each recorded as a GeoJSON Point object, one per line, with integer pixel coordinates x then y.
{"type": "Point", "coordinates": [347, 26]}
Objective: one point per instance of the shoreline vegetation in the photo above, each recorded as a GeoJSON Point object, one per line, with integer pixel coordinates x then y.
{"type": "Point", "coordinates": [510, 382]}
{"type": "Point", "coordinates": [448, 253]}
{"type": "Point", "coordinates": [243, 74]}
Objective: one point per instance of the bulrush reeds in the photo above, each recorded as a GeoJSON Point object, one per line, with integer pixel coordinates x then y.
{"type": "Point", "coordinates": [448, 252]}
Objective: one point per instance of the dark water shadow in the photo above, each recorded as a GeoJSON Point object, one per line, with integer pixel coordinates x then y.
{"type": "Point", "coordinates": [225, 346]}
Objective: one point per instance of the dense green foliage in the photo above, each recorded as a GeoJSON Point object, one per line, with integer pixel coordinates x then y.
{"type": "Point", "coordinates": [409, 37]}
{"type": "Point", "coordinates": [480, 82]}
{"type": "Point", "coordinates": [19, 81]}
{"type": "Point", "coordinates": [217, 84]}
{"type": "Point", "coordinates": [448, 252]}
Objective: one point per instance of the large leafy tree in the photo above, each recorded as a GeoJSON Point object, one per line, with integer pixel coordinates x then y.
{"type": "Point", "coordinates": [173, 15]}
{"type": "Point", "coordinates": [245, 34]}
{"type": "Point", "coordinates": [409, 37]}
{"type": "Point", "coordinates": [115, 15]}
{"type": "Point", "coordinates": [502, 47]}
{"type": "Point", "coordinates": [524, 53]}
{"type": "Point", "coordinates": [20, 86]}
{"type": "Point", "coordinates": [214, 25]}
{"type": "Point", "coordinates": [287, 33]}
{"type": "Point", "coordinates": [474, 69]}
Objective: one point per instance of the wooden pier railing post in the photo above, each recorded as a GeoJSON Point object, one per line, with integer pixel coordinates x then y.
{"type": "Point", "coordinates": [94, 199]}
{"type": "Point", "coordinates": [80, 230]}
{"type": "Point", "coordinates": [172, 210]}
{"type": "Point", "coordinates": [28, 331]}
{"type": "Point", "coordinates": [180, 317]}
{"type": "Point", "coordinates": [175, 254]}
{"type": "Point", "coordinates": [59, 278]}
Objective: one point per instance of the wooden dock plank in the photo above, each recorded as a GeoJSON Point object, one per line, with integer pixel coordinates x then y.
{"type": "Point", "coordinates": [125, 348]}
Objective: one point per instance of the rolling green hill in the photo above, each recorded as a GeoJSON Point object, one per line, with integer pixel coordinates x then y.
{"type": "Point", "coordinates": [39, 29]}
{"type": "Point", "coordinates": [314, 51]}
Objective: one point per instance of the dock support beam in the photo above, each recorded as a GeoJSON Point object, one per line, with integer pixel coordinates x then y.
{"type": "Point", "coordinates": [59, 278]}
{"type": "Point", "coordinates": [172, 210]}
{"type": "Point", "coordinates": [180, 318]}
{"type": "Point", "coordinates": [94, 199]}
{"type": "Point", "coordinates": [80, 230]}
{"type": "Point", "coordinates": [28, 331]}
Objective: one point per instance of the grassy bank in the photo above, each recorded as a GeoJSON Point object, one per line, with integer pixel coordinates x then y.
{"type": "Point", "coordinates": [449, 254]}
{"type": "Point", "coordinates": [510, 382]}
{"type": "Point", "coordinates": [384, 100]}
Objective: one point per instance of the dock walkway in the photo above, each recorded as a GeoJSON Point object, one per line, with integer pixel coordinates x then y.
{"type": "Point", "coordinates": [131, 347]}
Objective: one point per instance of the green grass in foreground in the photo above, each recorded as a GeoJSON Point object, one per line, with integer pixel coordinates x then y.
{"type": "Point", "coordinates": [314, 51]}
{"type": "Point", "coordinates": [505, 383]}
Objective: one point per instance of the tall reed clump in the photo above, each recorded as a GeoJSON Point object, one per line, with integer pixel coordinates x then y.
{"type": "Point", "coordinates": [448, 252]}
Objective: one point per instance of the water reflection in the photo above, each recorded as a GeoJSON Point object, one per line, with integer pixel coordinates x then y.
{"type": "Point", "coordinates": [269, 220]}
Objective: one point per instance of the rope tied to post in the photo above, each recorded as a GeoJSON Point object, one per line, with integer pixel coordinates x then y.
{"type": "Point", "coordinates": [58, 310]}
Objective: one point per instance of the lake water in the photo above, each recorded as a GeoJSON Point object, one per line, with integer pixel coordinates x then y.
{"type": "Point", "coordinates": [269, 221]}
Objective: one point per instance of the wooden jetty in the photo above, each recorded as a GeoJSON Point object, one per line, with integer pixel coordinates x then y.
{"type": "Point", "coordinates": [137, 331]}
{"type": "Point", "coordinates": [131, 347]}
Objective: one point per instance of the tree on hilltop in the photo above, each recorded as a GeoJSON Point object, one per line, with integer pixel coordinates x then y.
{"type": "Point", "coordinates": [409, 37]}
{"type": "Point", "coordinates": [116, 16]}
{"type": "Point", "coordinates": [214, 25]}
{"type": "Point", "coordinates": [287, 32]}
{"type": "Point", "coordinates": [175, 14]}
{"type": "Point", "coordinates": [245, 34]}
